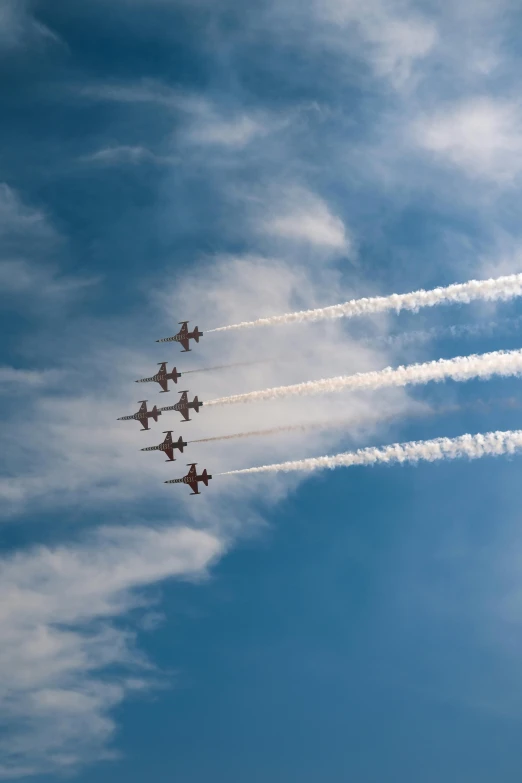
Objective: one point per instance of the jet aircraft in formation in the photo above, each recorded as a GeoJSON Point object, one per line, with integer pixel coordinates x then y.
{"type": "Point", "coordinates": [183, 336]}
{"type": "Point", "coordinates": [168, 446]}
{"type": "Point", "coordinates": [162, 377]}
{"type": "Point", "coordinates": [183, 406]}
{"type": "Point", "coordinates": [143, 415]}
{"type": "Point", "coordinates": [192, 479]}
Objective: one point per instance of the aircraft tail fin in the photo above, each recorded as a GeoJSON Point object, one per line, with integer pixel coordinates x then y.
{"type": "Point", "coordinates": [205, 477]}
{"type": "Point", "coordinates": [197, 334]}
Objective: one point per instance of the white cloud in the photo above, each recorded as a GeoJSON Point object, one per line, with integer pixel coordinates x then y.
{"type": "Point", "coordinates": [236, 132]}
{"type": "Point", "coordinates": [142, 91]}
{"type": "Point", "coordinates": [394, 36]}
{"type": "Point", "coordinates": [202, 122]}
{"type": "Point", "coordinates": [28, 240]}
{"type": "Point", "coordinates": [303, 217]}
{"type": "Point", "coordinates": [20, 278]}
{"type": "Point", "coordinates": [121, 154]}
{"type": "Point", "coordinates": [58, 640]}
{"type": "Point", "coordinates": [12, 378]}
{"type": "Point", "coordinates": [19, 28]}
{"type": "Point", "coordinates": [481, 136]}
{"type": "Point", "coordinates": [18, 219]}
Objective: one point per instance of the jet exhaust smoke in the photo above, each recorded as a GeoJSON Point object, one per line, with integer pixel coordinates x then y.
{"type": "Point", "coordinates": [272, 431]}
{"type": "Point", "coordinates": [461, 368]}
{"type": "Point", "coordinates": [226, 366]}
{"type": "Point", "coordinates": [478, 406]}
{"type": "Point", "coordinates": [471, 446]}
{"type": "Point", "coordinates": [492, 290]}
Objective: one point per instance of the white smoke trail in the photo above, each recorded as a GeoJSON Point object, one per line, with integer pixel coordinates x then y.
{"type": "Point", "coordinates": [461, 368]}
{"type": "Point", "coordinates": [228, 366]}
{"type": "Point", "coordinates": [471, 446]}
{"type": "Point", "coordinates": [477, 405]}
{"type": "Point", "coordinates": [493, 290]}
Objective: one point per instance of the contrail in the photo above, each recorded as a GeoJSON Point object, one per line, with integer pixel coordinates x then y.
{"type": "Point", "coordinates": [478, 405]}
{"type": "Point", "coordinates": [226, 366]}
{"type": "Point", "coordinates": [493, 290]}
{"type": "Point", "coordinates": [461, 368]}
{"type": "Point", "coordinates": [471, 446]}
{"type": "Point", "coordinates": [316, 425]}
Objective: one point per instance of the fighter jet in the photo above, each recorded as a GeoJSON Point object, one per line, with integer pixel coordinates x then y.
{"type": "Point", "coordinates": [168, 446]}
{"type": "Point", "coordinates": [192, 479]}
{"type": "Point", "coordinates": [143, 415]}
{"type": "Point", "coordinates": [183, 336]}
{"type": "Point", "coordinates": [162, 377]}
{"type": "Point", "coordinates": [184, 406]}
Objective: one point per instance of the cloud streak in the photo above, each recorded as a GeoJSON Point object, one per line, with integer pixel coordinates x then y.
{"type": "Point", "coordinates": [494, 290]}
{"type": "Point", "coordinates": [490, 444]}
{"type": "Point", "coordinates": [56, 624]}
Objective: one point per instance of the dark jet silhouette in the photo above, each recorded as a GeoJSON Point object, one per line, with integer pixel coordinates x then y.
{"type": "Point", "coordinates": [192, 479]}
{"type": "Point", "coordinates": [162, 377]}
{"type": "Point", "coordinates": [183, 336]}
{"type": "Point", "coordinates": [184, 406]}
{"type": "Point", "coordinates": [143, 415]}
{"type": "Point", "coordinates": [168, 446]}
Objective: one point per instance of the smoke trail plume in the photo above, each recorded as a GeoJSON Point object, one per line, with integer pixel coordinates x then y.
{"type": "Point", "coordinates": [461, 368]}
{"type": "Point", "coordinates": [319, 425]}
{"type": "Point", "coordinates": [227, 366]}
{"type": "Point", "coordinates": [471, 446]}
{"type": "Point", "coordinates": [493, 290]}
{"type": "Point", "coordinates": [478, 405]}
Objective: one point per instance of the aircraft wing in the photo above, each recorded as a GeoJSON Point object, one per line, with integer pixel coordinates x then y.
{"type": "Point", "coordinates": [144, 423]}
{"type": "Point", "coordinates": [185, 413]}
{"type": "Point", "coordinates": [185, 343]}
{"type": "Point", "coordinates": [163, 367]}
{"type": "Point", "coordinates": [194, 487]}
{"type": "Point", "coordinates": [164, 384]}
{"type": "Point", "coordinates": [192, 473]}
{"type": "Point", "coordinates": [143, 408]}
{"type": "Point", "coordinates": [170, 453]}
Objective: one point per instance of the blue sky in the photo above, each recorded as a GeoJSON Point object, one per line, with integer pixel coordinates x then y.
{"type": "Point", "coordinates": [167, 159]}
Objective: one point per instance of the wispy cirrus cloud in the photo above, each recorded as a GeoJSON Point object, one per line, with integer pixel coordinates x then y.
{"type": "Point", "coordinates": [298, 215]}
{"type": "Point", "coordinates": [392, 37]}
{"type": "Point", "coordinates": [480, 136]}
{"type": "Point", "coordinates": [203, 122]}
{"type": "Point", "coordinates": [19, 27]}
{"type": "Point", "coordinates": [29, 243]}
{"type": "Point", "coordinates": [12, 378]}
{"type": "Point", "coordinates": [58, 638]}
{"type": "Point", "coordinates": [20, 278]}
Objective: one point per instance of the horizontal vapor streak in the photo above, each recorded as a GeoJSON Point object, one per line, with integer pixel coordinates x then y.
{"type": "Point", "coordinates": [470, 446]}
{"type": "Point", "coordinates": [461, 368]}
{"type": "Point", "coordinates": [495, 289]}
{"type": "Point", "coordinates": [477, 406]}
{"type": "Point", "coordinates": [226, 366]}
{"type": "Point", "coordinates": [272, 431]}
